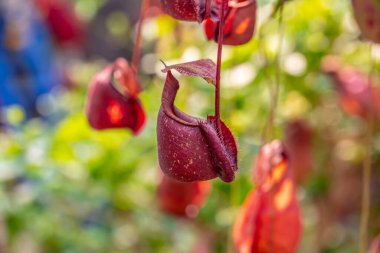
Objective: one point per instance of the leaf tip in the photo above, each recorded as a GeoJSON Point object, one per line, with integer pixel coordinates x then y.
{"type": "Point", "coordinates": [165, 70]}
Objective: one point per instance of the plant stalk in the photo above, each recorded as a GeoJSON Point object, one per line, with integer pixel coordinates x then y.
{"type": "Point", "coordinates": [367, 167]}
{"type": "Point", "coordinates": [218, 66]}
{"type": "Point", "coordinates": [276, 88]}
{"type": "Point", "coordinates": [137, 47]}
{"type": "Point", "coordinates": [207, 9]}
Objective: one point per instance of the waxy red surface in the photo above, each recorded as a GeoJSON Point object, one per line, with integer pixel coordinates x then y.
{"type": "Point", "coordinates": [239, 25]}
{"type": "Point", "coordinates": [240, 17]}
{"type": "Point", "coordinates": [61, 19]}
{"type": "Point", "coordinates": [191, 149]}
{"type": "Point", "coordinates": [270, 218]}
{"type": "Point", "coordinates": [358, 94]}
{"type": "Point", "coordinates": [298, 143]}
{"type": "Point", "coordinates": [186, 10]}
{"type": "Point", "coordinates": [182, 199]}
{"type": "Point", "coordinates": [109, 106]}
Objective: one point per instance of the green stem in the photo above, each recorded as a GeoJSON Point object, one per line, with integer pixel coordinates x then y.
{"type": "Point", "coordinates": [269, 131]}
{"type": "Point", "coordinates": [367, 167]}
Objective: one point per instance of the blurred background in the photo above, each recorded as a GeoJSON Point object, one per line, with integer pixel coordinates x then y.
{"type": "Point", "coordinates": [67, 188]}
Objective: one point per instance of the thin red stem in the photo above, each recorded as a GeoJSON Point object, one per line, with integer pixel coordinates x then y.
{"type": "Point", "coordinates": [137, 48]}
{"type": "Point", "coordinates": [218, 66]}
{"type": "Point", "coordinates": [208, 9]}
{"type": "Point", "coordinates": [269, 131]}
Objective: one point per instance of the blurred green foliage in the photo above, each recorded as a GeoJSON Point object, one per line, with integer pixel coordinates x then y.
{"type": "Point", "coordinates": [69, 189]}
